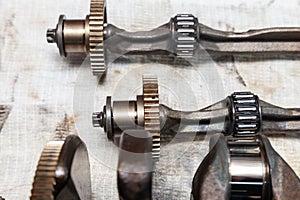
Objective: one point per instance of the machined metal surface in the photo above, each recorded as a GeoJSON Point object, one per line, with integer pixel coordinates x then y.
{"type": "Point", "coordinates": [224, 116]}
{"type": "Point", "coordinates": [135, 167]}
{"type": "Point", "coordinates": [248, 169]}
{"type": "Point", "coordinates": [83, 36]}
{"type": "Point", "coordinates": [151, 111]}
{"type": "Point", "coordinates": [255, 172]}
{"type": "Point", "coordinates": [63, 171]}
{"type": "Point", "coordinates": [143, 113]}
{"type": "Point", "coordinates": [183, 36]}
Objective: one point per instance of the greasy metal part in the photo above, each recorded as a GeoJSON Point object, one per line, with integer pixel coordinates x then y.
{"type": "Point", "coordinates": [70, 35]}
{"type": "Point", "coordinates": [181, 36]}
{"type": "Point", "coordinates": [83, 36]}
{"type": "Point", "coordinates": [143, 113]}
{"type": "Point", "coordinates": [151, 111]}
{"type": "Point", "coordinates": [63, 171]}
{"type": "Point", "coordinates": [214, 172]}
{"type": "Point", "coordinates": [246, 114]}
{"type": "Point", "coordinates": [248, 164]}
{"type": "Point", "coordinates": [185, 30]}
{"type": "Point", "coordinates": [135, 165]}
{"type": "Point", "coordinates": [97, 21]}
{"type": "Point", "coordinates": [57, 35]}
{"type": "Point", "coordinates": [248, 169]}
{"type": "Point", "coordinates": [277, 40]}
{"type": "Point", "coordinates": [222, 116]}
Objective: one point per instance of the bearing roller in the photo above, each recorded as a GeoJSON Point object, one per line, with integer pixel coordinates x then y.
{"type": "Point", "coordinates": [186, 36]}
{"type": "Point", "coordinates": [246, 114]}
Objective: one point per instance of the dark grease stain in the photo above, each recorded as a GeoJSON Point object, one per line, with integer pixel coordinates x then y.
{"type": "Point", "coordinates": [117, 72]}
{"type": "Point", "coordinates": [270, 3]}
{"type": "Point", "coordinates": [43, 110]}
{"type": "Point", "coordinates": [65, 127]}
{"type": "Point", "coordinates": [4, 112]}
{"type": "Point", "coordinates": [10, 27]}
{"type": "Point", "coordinates": [14, 88]}
{"type": "Point", "coordinates": [232, 67]}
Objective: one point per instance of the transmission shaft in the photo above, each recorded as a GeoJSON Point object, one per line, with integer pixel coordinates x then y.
{"type": "Point", "coordinates": [241, 114]}
{"type": "Point", "coordinates": [182, 36]}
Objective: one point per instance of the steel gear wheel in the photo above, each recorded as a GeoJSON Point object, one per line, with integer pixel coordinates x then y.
{"type": "Point", "coordinates": [97, 19]}
{"type": "Point", "coordinates": [151, 111]}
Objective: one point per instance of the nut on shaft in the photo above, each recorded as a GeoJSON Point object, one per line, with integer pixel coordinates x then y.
{"type": "Point", "coordinates": [51, 35]}
{"type": "Point", "coordinates": [98, 119]}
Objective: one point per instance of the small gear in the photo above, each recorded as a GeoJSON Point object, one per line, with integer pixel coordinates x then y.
{"type": "Point", "coordinates": [97, 20]}
{"type": "Point", "coordinates": [151, 111]}
{"type": "Point", "coordinates": [45, 176]}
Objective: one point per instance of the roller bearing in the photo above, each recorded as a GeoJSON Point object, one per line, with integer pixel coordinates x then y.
{"type": "Point", "coordinates": [185, 27]}
{"type": "Point", "coordinates": [246, 114]}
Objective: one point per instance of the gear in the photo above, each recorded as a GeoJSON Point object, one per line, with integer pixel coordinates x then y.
{"type": "Point", "coordinates": [63, 171]}
{"type": "Point", "coordinates": [185, 27]}
{"type": "Point", "coordinates": [97, 19]}
{"type": "Point", "coordinates": [151, 111]}
{"type": "Point", "coordinates": [246, 114]}
{"type": "Point", "coordinates": [45, 175]}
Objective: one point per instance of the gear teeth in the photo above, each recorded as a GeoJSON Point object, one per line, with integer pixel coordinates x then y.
{"type": "Point", "coordinates": [96, 37]}
{"type": "Point", "coordinates": [185, 35]}
{"type": "Point", "coordinates": [151, 111]}
{"type": "Point", "coordinates": [246, 113]}
{"type": "Point", "coordinates": [45, 176]}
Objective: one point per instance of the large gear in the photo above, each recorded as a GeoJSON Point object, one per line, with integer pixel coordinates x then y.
{"type": "Point", "coordinates": [44, 181]}
{"type": "Point", "coordinates": [97, 19]}
{"type": "Point", "coordinates": [63, 171]}
{"type": "Point", "coordinates": [151, 111]}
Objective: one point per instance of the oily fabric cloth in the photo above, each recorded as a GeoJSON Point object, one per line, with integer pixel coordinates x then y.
{"type": "Point", "coordinates": [45, 90]}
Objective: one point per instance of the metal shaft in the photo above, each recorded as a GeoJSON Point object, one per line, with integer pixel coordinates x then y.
{"type": "Point", "coordinates": [214, 119]}
{"type": "Point", "coordinates": [75, 33]}
{"type": "Point", "coordinates": [233, 165]}
{"type": "Point", "coordinates": [182, 36]}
